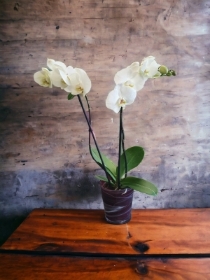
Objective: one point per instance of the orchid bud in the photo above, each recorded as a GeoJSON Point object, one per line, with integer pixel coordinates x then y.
{"type": "Point", "coordinates": [172, 73]}
{"type": "Point", "coordinates": [163, 70]}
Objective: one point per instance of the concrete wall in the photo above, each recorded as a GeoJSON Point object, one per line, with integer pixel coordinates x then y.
{"type": "Point", "coordinates": [44, 138]}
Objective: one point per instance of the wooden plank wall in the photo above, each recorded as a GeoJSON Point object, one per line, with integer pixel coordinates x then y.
{"type": "Point", "coordinates": [44, 145]}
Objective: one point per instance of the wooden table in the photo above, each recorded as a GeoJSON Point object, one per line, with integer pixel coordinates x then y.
{"type": "Point", "coordinates": [79, 244]}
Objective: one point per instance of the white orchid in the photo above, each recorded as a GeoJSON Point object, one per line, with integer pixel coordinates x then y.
{"type": "Point", "coordinates": [77, 80]}
{"type": "Point", "coordinates": [128, 81]}
{"type": "Point", "coordinates": [72, 80]}
{"type": "Point", "coordinates": [131, 74]}
{"type": "Point", "coordinates": [43, 78]}
{"type": "Point", "coordinates": [149, 68]}
{"type": "Point", "coordinates": [121, 96]}
{"type": "Point", "coordinates": [56, 67]}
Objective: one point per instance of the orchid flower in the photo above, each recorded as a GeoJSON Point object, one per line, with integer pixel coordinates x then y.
{"type": "Point", "coordinates": [77, 80]}
{"type": "Point", "coordinates": [43, 78]}
{"type": "Point", "coordinates": [128, 81]}
{"type": "Point", "coordinates": [56, 67]}
{"type": "Point", "coordinates": [149, 68]}
{"type": "Point", "coordinates": [73, 80]}
{"type": "Point", "coordinates": [131, 74]}
{"type": "Point", "coordinates": [121, 96]}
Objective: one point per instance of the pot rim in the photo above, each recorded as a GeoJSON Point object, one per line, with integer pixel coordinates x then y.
{"type": "Point", "coordinates": [124, 190]}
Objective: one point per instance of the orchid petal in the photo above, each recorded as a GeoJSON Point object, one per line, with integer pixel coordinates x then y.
{"type": "Point", "coordinates": [112, 99]}
{"type": "Point", "coordinates": [43, 78]}
{"type": "Point", "coordinates": [149, 67]}
{"type": "Point", "coordinates": [68, 89]}
{"type": "Point", "coordinates": [69, 70]}
{"type": "Point", "coordinates": [127, 73]}
{"type": "Point", "coordinates": [50, 63]}
{"type": "Point", "coordinates": [153, 70]}
{"type": "Point", "coordinates": [84, 80]}
{"type": "Point", "coordinates": [128, 94]}
{"type": "Point", "coordinates": [146, 61]}
{"type": "Point", "coordinates": [57, 79]}
{"type": "Point", "coordinates": [139, 82]}
{"type": "Point", "coordinates": [74, 78]}
{"type": "Point", "coordinates": [60, 65]}
{"type": "Point", "coordinates": [64, 77]}
{"type": "Point", "coordinates": [75, 83]}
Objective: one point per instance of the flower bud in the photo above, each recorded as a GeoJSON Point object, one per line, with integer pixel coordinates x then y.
{"type": "Point", "coordinates": [163, 70]}
{"type": "Point", "coordinates": [171, 73]}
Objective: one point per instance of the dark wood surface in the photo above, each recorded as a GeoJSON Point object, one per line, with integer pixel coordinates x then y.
{"type": "Point", "coordinates": [25, 267]}
{"type": "Point", "coordinates": [79, 244]}
{"type": "Point", "coordinates": [174, 231]}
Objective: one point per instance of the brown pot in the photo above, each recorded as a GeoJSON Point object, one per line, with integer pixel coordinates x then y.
{"type": "Point", "coordinates": [117, 204]}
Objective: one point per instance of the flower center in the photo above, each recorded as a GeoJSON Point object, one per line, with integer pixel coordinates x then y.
{"type": "Point", "coordinates": [129, 84]}
{"type": "Point", "coordinates": [79, 89]}
{"type": "Point", "coordinates": [46, 81]}
{"type": "Point", "coordinates": [146, 71]}
{"type": "Point", "coordinates": [122, 102]}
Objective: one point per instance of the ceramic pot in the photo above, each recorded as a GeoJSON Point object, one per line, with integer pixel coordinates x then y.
{"type": "Point", "coordinates": [117, 204]}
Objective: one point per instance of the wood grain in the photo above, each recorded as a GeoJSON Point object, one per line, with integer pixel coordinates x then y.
{"type": "Point", "coordinates": [174, 231]}
{"type": "Point", "coordinates": [25, 267]}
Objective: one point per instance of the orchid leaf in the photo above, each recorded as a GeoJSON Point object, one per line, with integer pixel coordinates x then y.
{"type": "Point", "coordinates": [140, 185]}
{"type": "Point", "coordinates": [101, 178]}
{"type": "Point", "coordinates": [134, 156]}
{"type": "Point", "coordinates": [70, 96]}
{"type": "Point", "coordinates": [110, 166]}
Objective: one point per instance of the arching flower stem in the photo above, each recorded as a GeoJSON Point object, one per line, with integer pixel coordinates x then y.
{"type": "Point", "coordinates": [94, 139]}
{"type": "Point", "coordinates": [119, 153]}
{"type": "Point", "coordinates": [89, 115]}
{"type": "Point", "coordinates": [123, 145]}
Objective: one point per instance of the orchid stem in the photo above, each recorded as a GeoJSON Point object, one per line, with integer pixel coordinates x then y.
{"type": "Point", "coordinates": [91, 131]}
{"type": "Point", "coordinates": [123, 146]}
{"type": "Point", "coordinates": [120, 144]}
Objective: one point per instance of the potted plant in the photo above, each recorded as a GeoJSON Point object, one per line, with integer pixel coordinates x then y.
{"type": "Point", "coordinates": [116, 186]}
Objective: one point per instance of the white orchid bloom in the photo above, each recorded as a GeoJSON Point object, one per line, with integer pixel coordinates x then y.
{"type": "Point", "coordinates": [56, 67]}
{"type": "Point", "coordinates": [77, 80]}
{"type": "Point", "coordinates": [57, 77]}
{"type": "Point", "coordinates": [43, 78]}
{"type": "Point", "coordinates": [121, 96]}
{"type": "Point", "coordinates": [149, 68]}
{"type": "Point", "coordinates": [132, 75]}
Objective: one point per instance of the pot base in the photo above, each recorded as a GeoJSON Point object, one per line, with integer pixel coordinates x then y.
{"type": "Point", "coordinates": [117, 222]}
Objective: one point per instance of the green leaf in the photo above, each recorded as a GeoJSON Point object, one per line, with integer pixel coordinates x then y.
{"type": "Point", "coordinates": [140, 185]}
{"type": "Point", "coordinates": [110, 166]}
{"type": "Point", "coordinates": [70, 96]}
{"type": "Point", "coordinates": [134, 156]}
{"type": "Point", "coordinates": [101, 178]}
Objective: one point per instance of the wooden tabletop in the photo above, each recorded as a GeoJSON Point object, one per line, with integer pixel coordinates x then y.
{"type": "Point", "coordinates": [42, 267]}
{"type": "Point", "coordinates": [173, 231]}
{"type": "Point", "coordinates": [79, 244]}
